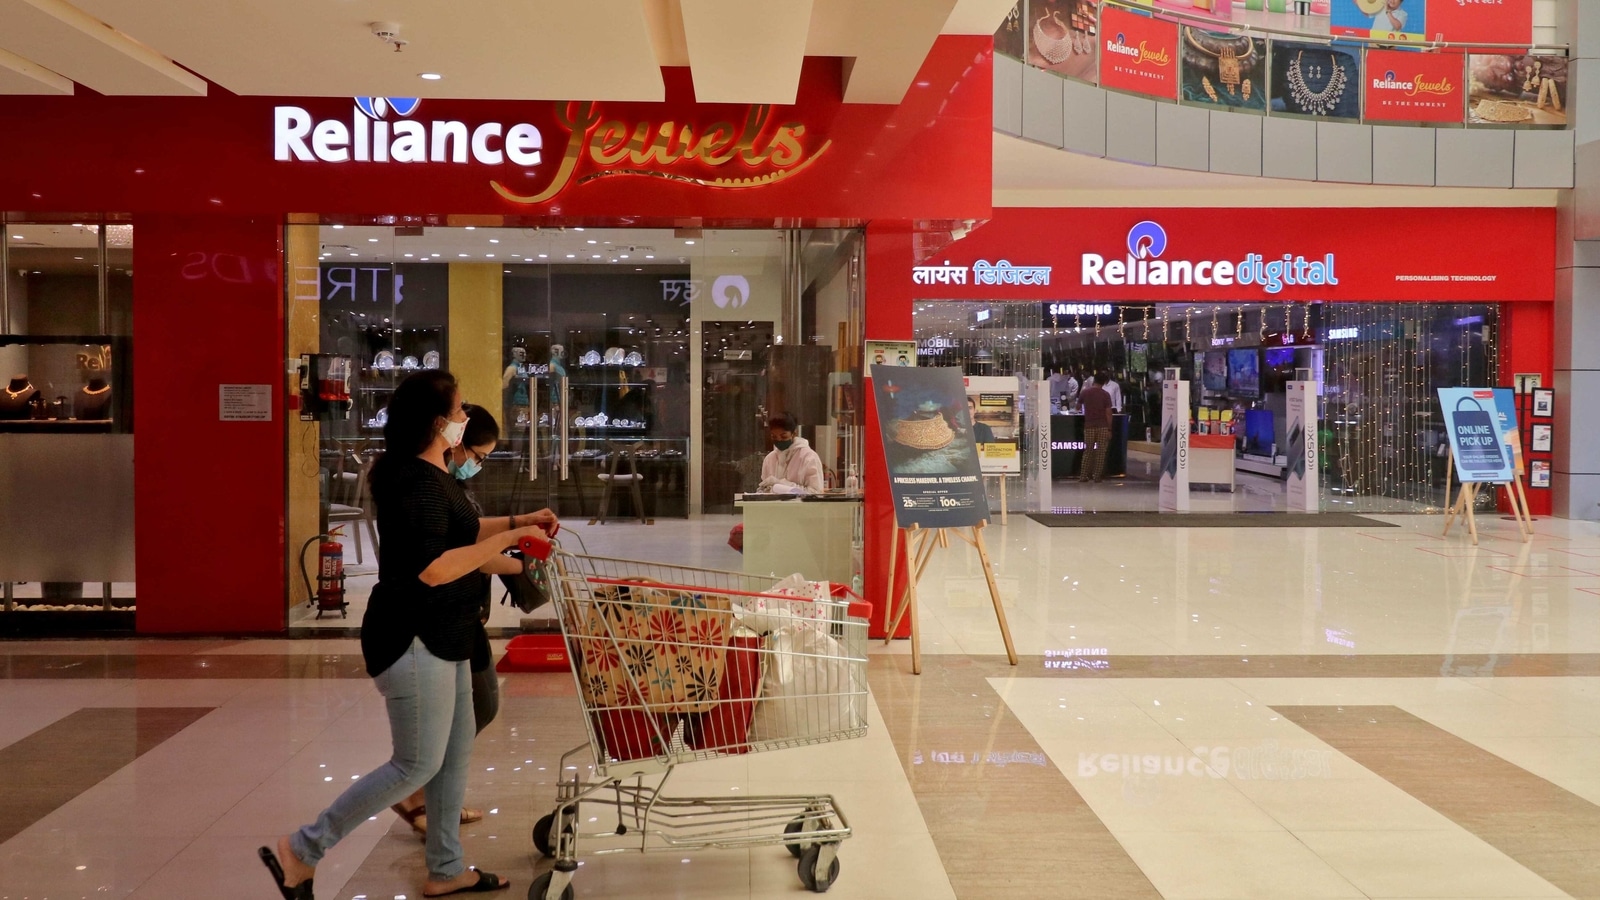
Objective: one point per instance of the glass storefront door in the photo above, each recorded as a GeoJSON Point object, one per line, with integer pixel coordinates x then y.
{"type": "Point", "coordinates": [631, 371]}
{"type": "Point", "coordinates": [1379, 364]}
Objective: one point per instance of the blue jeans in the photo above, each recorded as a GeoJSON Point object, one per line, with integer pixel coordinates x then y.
{"type": "Point", "coordinates": [431, 722]}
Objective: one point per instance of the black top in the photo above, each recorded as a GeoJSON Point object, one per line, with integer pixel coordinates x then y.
{"type": "Point", "coordinates": [422, 513]}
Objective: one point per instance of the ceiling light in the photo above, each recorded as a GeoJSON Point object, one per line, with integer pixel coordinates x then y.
{"type": "Point", "coordinates": [472, 228]}
{"type": "Point", "coordinates": [16, 237]}
{"type": "Point", "coordinates": [591, 240]}
{"type": "Point", "coordinates": [337, 227]}
{"type": "Point", "coordinates": [577, 229]}
{"type": "Point", "coordinates": [372, 240]}
{"type": "Point", "coordinates": [624, 256]}
{"type": "Point", "coordinates": [409, 255]}
{"type": "Point", "coordinates": [488, 256]}
{"type": "Point", "coordinates": [430, 76]}
{"type": "Point", "coordinates": [435, 256]}
{"type": "Point", "coordinates": [494, 240]}
{"type": "Point", "coordinates": [462, 255]}
{"type": "Point", "coordinates": [688, 242]}
{"type": "Point", "coordinates": [649, 256]}
{"type": "Point", "coordinates": [572, 256]}
{"type": "Point", "coordinates": [355, 254]}
{"type": "Point", "coordinates": [596, 256]}
{"type": "Point", "coordinates": [544, 256]}
{"type": "Point", "coordinates": [79, 257]}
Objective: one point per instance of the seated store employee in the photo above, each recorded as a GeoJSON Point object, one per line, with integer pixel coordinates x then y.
{"type": "Point", "coordinates": [417, 638]}
{"type": "Point", "coordinates": [792, 466]}
{"type": "Point", "coordinates": [465, 461]}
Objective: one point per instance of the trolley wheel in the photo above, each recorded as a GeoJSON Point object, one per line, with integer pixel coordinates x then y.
{"type": "Point", "coordinates": [795, 827]}
{"type": "Point", "coordinates": [536, 891]}
{"type": "Point", "coordinates": [541, 835]}
{"type": "Point", "coordinates": [813, 880]}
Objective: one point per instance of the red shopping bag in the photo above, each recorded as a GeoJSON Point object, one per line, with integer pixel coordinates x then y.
{"type": "Point", "coordinates": [726, 726]}
{"type": "Point", "coordinates": [628, 734]}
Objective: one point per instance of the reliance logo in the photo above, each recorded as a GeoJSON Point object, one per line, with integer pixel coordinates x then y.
{"type": "Point", "coordinates": [1140, 54]}
{"type": "Point", "coordinates": [369, 136]}
{"type": "Point", "coordinates": [1147, 241]}
{"type": "Point", "coordinates": [1418, 85]}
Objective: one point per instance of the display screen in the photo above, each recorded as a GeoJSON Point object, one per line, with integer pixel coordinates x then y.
{"type": "Point", "coordinates": [1244, 372]}
{"type": "Point", "coordinates": [1280, 358]}
{"type": "Point", "coordinates": [1214, 377]}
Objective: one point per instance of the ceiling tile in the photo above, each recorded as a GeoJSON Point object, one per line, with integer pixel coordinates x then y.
{"type": "Point", "coordinates": [68, 41]}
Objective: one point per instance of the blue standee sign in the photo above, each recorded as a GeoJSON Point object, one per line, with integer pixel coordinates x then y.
{"type": "Point", "coordinates": [1472, 420]}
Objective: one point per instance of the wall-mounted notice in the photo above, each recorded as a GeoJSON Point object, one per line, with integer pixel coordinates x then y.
{"type": "Point", "coordinates": [244, 403]}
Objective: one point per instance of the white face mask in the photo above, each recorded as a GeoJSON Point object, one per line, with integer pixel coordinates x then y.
{"type": "Point", "coordinates": [453, 432]}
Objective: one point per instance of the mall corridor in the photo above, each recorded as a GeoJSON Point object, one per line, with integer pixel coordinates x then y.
{"type": "Point", "coordinates": [897, 449]}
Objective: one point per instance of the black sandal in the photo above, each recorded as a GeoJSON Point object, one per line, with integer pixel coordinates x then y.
{"type": "Point", "coordinates": [487, 882]}
{"type": "Point", "coordinates": [301, 891]}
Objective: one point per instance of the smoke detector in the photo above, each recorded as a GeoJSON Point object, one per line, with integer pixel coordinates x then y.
{"type": "Point", "coordinates": [389, 33]}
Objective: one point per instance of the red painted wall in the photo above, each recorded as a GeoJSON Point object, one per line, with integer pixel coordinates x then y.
{"type": "Point", "coordinates": [208, 495]}
{"type": "Point", "coordinates": [1527, 344]}
{"type": "Point", "coordinates": [888, 318]}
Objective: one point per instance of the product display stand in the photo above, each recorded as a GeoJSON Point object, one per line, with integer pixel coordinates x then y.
{"type": "Point", "coordinates": [920, 544]}
{"type": "Point", "coordinates": [1466, 499]}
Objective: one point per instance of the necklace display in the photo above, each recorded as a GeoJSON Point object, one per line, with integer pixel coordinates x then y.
{"type": "Point", "coordinates": [26, 390]}
{"type": "Point", "coordinates": [1054, 49]}
{"type": "Point", "coordinates": [1229, 65]}
{"type": "Point", "coordinates": [1316, 103]}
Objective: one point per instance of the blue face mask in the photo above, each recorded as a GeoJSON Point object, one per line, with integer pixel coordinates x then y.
{"type": "Point", "coordinates": [783, 445]}
{"type": "Point", "coordinates": [465, 470]}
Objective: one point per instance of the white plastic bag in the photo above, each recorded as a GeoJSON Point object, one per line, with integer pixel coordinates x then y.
{"type": "Point", "coordinates": [807, 690]}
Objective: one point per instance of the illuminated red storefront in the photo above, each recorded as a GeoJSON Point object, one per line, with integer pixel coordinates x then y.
{"type": "Point", "coordinates": [211, 184]}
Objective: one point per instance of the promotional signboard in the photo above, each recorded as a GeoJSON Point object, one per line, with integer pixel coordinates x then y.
{"type": "Point", "coordinates": [1227, 70]}
{"type": "Point", "coordinates": [1403, 86]}
{"type": "Point", "coordinates": [1316, 80]}
{"type": "Point", "coordinates": [1471, 21]}
{"type": "Point", "coordinates": [1174, 489]}
{"type": "Point", "coordinates": [1300, 425]}
{"type": "Point", "coordinates": [891, 353]}
{"type": "Point", "coordinates": [1138, 54]}
{"type": "Point", "coordinates": [934, 474]}
{"type": "Point", "coordinates": [1385, 20]}
{"type": "Point", "coordinates": [1113, 257]}
{"type": "Point", "coordinates": [1523, 91]}
{"type": "Point", "coordinates": [1472, 424]}
{"type": "Point", "coordinates": [992, 411]}
{"type": "Point", "coordinates": [1505, 420]}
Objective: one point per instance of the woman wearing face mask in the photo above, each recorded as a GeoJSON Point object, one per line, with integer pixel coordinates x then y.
{"type": "Point", "coordinates": [417, 638]}
{"type": "Point", "coordinates": [463, 462]}
{"type": "Point", "coordinates": [792, 466]}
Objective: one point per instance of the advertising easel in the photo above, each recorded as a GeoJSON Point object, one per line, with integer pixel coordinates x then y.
{"type": "Point", "coordinates": [1485, 446]}
{"type": "Point", "coordinates": [937, 485]}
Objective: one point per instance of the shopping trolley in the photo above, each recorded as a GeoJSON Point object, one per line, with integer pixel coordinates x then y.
{"type": "Point", "coordinates": [675, 665]}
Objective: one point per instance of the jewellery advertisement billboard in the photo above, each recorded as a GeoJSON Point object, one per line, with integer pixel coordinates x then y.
{"type": "Point", "coordinates": [1138, 54]}
{"type": "Point", "coordinates": [1403, 86]}
{"type": "Point", "coordinates": [1226, 70]}
{"type": "Point", "coordinates": [1316, 80]}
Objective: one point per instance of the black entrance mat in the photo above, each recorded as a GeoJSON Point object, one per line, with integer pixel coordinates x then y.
{"type": "Point", "coordinates": [1206, 520]}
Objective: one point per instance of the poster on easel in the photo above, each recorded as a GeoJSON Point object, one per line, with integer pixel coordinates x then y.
{"type": "Point", "coordinates": [992, 416]}
{"type": "Point", "coordinates": [934, 473]}
{"type": "Point", "coordinates": [1174, 489]}
{"type": "Point", "coordinates": [1471, 420]}
{"type": "Point", "coordinates": [1301, 427]}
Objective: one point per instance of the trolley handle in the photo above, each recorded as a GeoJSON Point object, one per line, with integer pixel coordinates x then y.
{"type": "Point", "coordinates": [535, 547]}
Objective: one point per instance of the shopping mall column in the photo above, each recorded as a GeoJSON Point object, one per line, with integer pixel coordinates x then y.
{"type": "Point", "coordinates": [208, 483]}
{"type": "Point", "coordinates": [476, 301]}
{"type": "Point", "coordinates": [890, 256]}
{"type": "Point", "coordinates": [1576, 471]}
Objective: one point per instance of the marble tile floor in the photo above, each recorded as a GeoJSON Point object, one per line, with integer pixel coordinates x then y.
{"type": "Point", "coordinates": [1198, 713]}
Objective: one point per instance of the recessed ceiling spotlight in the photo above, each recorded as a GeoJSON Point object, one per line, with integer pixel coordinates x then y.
{"type": "Point", "coordinates": [624, 256]}
{"type": "Point", "coordinates": [429, 76]}
{"type": "Point", "coordinates": [488, 256]}
{"type": "Point", "coordinates": [435, 256]}
{"type": "Point", "coordinates": [472, 228]}
{"type": "Point", "coordinates": [494, 240]}
{"type": "Point", "coordinates": [577, 229]}
{"type": "Point", "coordinates": [16, 237]}
{"type": "Point", "coordinates": [337, 227]}
{"type": "Point", "coordinates": [596, 256]}
{"type": "Point", "coordinates": [409, 255]}
{"type": "Point", "coordinates": [591, 240]}
{"type": "Point", "coordinates": [649, 256]}
{"type": "Point", "coordinates": [572, 256]}
{"type": "Point", "coordinates": [355, 254]}
{"type": "Point", "coordinates": [689, 242]}
{"type": "Point", "coordinates": [461, 255]}
{"type": "Point", "coordinates": [372, 240]}
{"type": "Point", "coordinates": [544, 256]}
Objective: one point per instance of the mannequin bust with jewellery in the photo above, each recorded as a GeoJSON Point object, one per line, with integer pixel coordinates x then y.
{"type": "Point", "coordinates": [1232, 56]}
{"type": "Point", "coordinates": [93, 401]}
{"type": "Point", "coordinates": [16, 397]}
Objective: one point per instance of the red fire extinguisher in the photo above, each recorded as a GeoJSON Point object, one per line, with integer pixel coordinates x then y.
{"type": "Point", "coordinates": [330, 575]}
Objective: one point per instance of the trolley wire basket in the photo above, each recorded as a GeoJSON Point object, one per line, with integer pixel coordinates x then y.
{"type": "Point", "coordinates": [674, 665]}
